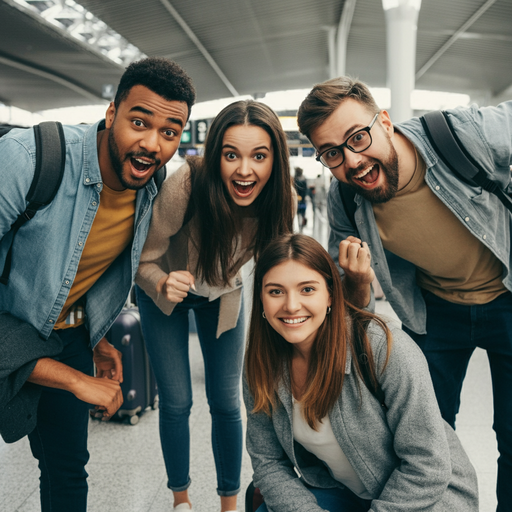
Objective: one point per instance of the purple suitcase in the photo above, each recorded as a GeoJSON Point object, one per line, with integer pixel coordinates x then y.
{"type": "Point", "coordinates": [139, 383]}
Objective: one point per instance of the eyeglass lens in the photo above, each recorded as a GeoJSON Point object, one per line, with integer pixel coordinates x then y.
{"type": "Point", "coordinates": [358, 142]}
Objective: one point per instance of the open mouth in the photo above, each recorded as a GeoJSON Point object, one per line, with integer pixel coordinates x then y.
{"type": "Point", "coordinates": [141, 165]}
{"type": "Point", "coordinates": [294, 321]}
{"type": "Point", "coordinates": [367, 176]}
{"type": "Point", "coordinates": [243, 188]}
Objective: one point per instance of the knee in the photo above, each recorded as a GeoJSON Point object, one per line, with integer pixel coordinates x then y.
{"type": "Point", "coordinates": [174, 408]}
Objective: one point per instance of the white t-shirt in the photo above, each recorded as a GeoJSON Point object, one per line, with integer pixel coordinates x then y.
{"type": "Point", "coordinates": [324, 445]}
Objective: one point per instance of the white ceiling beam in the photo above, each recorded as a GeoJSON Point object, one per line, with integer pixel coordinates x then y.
{"type": "Point", "coordinates": [190, 33]}
{"type": "Point", "coordinates": [50, 76]}
{"type": "Point", "coordinates": [453, 38]}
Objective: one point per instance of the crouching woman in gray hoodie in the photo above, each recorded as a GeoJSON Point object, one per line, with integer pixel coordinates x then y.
{"type": "Point", "coordinates": [342, 414]}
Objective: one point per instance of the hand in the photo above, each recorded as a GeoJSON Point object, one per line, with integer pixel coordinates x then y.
{"type": "Point", "coordinates": [176, 285]}
{"type": "Point", "coordinates": [108, 361]}
{"type": "Point", "coordinates": [354, 259]}
{"type": "Point", "coordinates": [104, 393]}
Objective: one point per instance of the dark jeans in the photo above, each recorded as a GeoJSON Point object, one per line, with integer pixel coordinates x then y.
{"type": "Point", "coordinates": [335, 500]}
{"type": "Point", "coordinates": [59, 442]}
{"type": "Point", "coordinates": [167, 344]}
{"type": "Point", "coordinates": [453, 333]}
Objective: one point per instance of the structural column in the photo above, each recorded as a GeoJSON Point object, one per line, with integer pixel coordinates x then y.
{"type": "Point", "coordinates": [401, 26]}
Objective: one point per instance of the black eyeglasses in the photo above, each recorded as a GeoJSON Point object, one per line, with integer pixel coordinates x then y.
{"type": "Point", "coordinates": [357, 143]}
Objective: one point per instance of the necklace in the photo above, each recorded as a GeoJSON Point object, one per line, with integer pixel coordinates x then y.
{"type": "Point", "coordinates": [415, 169]}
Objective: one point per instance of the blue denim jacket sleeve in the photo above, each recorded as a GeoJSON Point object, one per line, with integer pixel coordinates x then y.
{"type": "Point", "coordinates": [492, 147]}
{"type": "Point", "coordinates": [14, 179]}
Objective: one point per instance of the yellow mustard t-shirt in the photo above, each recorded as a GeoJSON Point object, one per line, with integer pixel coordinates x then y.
{"type": "Point", "coordinates": [111, 232]}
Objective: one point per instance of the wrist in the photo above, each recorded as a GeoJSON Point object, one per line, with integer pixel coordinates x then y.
{"type": "Point", "coordinates": [160, 284]}
{"type": "Point", "coordinates": [75, 382]}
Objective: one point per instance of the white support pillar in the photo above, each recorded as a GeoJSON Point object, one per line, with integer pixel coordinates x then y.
{"type": "Point", "coordinates": [342, 37]}
{"type": "Point", "coordinates": [401, 25]}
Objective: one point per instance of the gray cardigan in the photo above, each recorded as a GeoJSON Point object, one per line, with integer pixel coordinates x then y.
{"type": "Point", "coordinates": [407, 457]}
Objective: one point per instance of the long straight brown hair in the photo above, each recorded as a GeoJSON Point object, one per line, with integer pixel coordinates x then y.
{"type": "Point", "coordinates": [216, 211]}
{"type": "Point", "coordinates": [268, 353]}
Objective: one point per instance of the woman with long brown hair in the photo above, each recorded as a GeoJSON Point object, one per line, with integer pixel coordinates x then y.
{"type": "Point", "coordinates": [341, 410]}
{"type": "Point", "coordinates": [211, 216]}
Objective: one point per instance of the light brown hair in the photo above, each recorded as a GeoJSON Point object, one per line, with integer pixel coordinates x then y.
{"type": "Point", "coordinates": [325, 98]}
{"type": "Point", "coordinates": [268, 353]}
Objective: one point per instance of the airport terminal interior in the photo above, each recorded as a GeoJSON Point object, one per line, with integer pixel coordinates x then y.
{"type": "Point", "coordinates": [60, 59]}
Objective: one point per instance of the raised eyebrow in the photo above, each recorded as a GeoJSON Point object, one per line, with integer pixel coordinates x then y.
{"type": "Point", "coordinates": [259, 148]}
{"type": "Point", "coordinates": [175, 120]}
{"type": "Point", "coordinates": [303, 283]}
{"type": "Point", "coordinates": [142, 110]}
{"type": "Point", "coordinates": [346, 135]}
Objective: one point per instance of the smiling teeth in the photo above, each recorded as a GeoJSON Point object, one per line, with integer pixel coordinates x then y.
{"type": "Point", "coordinates": [364, 173]}
{"type": "Point", "coordinates": [244, 183]}
{"type": "Point", "coordinates": [142, 161]}
{"type": "Point", "coordinates": [294, 320]}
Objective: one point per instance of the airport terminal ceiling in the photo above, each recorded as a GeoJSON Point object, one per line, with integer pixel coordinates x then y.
{"type": "Point", "coordinates": [251, 47]}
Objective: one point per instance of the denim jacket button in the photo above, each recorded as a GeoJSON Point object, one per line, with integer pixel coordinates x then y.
{"type": "Point", "coordinates": [466, 219]}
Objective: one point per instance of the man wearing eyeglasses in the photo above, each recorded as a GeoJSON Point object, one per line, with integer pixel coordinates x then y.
{"type": "Point", "coordinates": [440, 247]}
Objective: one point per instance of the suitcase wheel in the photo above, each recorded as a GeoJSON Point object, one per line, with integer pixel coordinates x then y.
{"type": "Point", "coordinates": [132, 420]}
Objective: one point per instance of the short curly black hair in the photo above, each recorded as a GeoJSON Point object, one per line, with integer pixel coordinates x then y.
{"type": "Point", "coordinates": [162, 76]}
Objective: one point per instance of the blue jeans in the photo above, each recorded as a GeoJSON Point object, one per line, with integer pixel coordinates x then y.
{"type": "Point", "coordinates": [335, 500]}
{"type": "Point", "coordinates": [453, 333]}
{"type": "Point", "coordinates": [59, 441]}
{"type": "Point", "coordinates": [167, 344]}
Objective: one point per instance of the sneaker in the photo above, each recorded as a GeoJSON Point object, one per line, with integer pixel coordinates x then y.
{"type": "Point", "coordinates": [182, 507]}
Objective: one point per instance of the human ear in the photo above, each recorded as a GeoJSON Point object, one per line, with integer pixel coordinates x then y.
{"type": "Point", "coordinates": [110, 115]}
{"type": "Point", "coordinates": [385, 122]}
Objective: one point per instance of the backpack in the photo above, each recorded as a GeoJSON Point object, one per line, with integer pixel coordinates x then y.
{"type": "Point", "coordinates": [49, 170]}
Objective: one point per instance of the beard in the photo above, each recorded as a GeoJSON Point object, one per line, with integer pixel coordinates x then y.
{"type": "Point", "coordinates": [389, 168]}
{"type": "Point", "coordinates": [117, 163]}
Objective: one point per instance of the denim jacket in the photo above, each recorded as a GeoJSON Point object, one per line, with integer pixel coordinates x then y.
{"type": "Point", "coordinates": [47, 249]}
{"type": "Point", "coordinates": [486, 133]}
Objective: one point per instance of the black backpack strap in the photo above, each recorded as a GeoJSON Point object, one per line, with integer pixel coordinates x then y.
{"type": "Point", "coordinates": [49, 169]}
{"type": "Point", "coordinates": [448, 146]}
{"type": "Point", "coordinates": [347, 195]}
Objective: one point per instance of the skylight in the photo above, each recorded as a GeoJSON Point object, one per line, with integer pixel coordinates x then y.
{"type": "Point", "coordinates": [74, 20]}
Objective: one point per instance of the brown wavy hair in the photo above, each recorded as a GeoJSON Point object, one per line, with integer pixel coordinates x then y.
{"type": "Point", "coordinates": [218, 221]}
{"type": "Point", "coordinates": [325, 98]}
{"type": "Point", "coordinates": [268, 353]}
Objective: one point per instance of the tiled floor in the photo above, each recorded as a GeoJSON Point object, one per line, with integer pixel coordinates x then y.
{"type": "Point", "coordinates": [127, 471]}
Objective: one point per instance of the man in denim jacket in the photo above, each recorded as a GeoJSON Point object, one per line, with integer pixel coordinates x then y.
{"type": "Point", "coordinates": [74, 262]}
{"type": "Point", "coordinates": [440, 247]}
